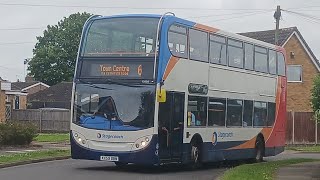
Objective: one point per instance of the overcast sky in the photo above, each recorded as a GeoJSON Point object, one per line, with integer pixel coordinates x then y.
{"type": "Point", "coordinates": [229, 15]}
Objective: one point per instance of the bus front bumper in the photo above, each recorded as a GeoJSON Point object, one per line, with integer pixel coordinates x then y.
{"type": "Point", "coordinates": [146, 156]}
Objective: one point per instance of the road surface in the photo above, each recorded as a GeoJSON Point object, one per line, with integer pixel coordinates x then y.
{"type": "Point", "coordinates": [92, 170]}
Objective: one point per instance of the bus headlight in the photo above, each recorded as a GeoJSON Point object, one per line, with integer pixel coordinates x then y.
{"type": "Point", "coordinates": [79, 138]}
{"type": "Point", "coordinates": [141, 143]}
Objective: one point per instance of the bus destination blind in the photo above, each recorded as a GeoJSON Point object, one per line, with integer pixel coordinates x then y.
{"type": "Point", "coordinates": [136, 70]}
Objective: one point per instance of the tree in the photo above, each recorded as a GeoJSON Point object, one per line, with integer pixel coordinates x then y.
{"type": "Point", "coordinates": [315, 97]}
{"type": "Point", "coordinates": [55, 53]}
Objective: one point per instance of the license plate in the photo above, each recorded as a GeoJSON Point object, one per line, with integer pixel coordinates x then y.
{"type": "Point", "coordinates": [109, 158]}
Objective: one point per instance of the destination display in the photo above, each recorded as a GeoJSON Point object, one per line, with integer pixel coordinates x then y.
{"type": "Point", "coordinates": [117, 69]}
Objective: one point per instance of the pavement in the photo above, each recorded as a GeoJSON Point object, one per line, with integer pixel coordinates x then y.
{"type": "Point", "coordinates": [301, 171]}
{"type": "Point", "coordinates": [34, 146]}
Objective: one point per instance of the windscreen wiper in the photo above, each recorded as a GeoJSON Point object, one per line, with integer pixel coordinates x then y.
{"type": "Point", "coordinates": [93, 85]}
{"type": "Point", "coordinates": [109, 81]}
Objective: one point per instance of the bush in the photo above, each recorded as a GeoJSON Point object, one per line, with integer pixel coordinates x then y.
{"type": "Point", "coordinates": [17, 133]}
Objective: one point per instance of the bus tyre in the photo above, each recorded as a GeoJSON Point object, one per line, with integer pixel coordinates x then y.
{"type": "Point", "coordinates": [259, 150]}
{"type": "Point", "coordinates": [120, 164]}
{"type": "Point", "coordinates": [195, 155]}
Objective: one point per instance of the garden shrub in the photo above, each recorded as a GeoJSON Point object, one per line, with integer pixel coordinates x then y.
{"type": "Point", "coordinates": [17, 133]}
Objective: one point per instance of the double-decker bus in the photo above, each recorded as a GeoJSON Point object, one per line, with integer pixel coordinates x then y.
{"type": "Point", "coordinates": [152, 89]}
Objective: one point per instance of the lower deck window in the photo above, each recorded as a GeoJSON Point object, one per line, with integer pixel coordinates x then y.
{"type": "Point", "coordinates": [197, 111]}
{"type": "Point", "coordinates": [247, 113]}
{"type": "Point", "coordinates": [217, 112]}
{"type": "Point", "coordinates": [234, 112]}
{"type": "Point", "coordinates": [260, 114]}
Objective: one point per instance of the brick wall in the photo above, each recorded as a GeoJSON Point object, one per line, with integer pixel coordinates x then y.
{"type": "Point", "coordinates": [299, 95]}
{"type": "Point", "coordinates": [2, 106]}
{"type": "Point", "coordinates": [37, 88]}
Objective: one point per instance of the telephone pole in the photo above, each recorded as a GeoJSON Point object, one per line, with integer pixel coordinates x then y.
{"type": "Point", "coordinates": [277, 15]}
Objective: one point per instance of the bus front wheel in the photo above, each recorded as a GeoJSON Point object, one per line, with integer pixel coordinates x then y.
{"type": "Point", "coordinates": [195, 155]}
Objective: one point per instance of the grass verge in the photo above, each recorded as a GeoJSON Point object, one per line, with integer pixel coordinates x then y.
{"type": "Point", "coordinates": [309, 148]}
{"type": "Point", "coordinates": [263, 170]}
{"type": "Point", "coordinates": [36, 155]}
{"type": "Point", "coordinates": [55, 138]}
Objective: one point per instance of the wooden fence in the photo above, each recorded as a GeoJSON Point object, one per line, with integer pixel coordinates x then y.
{"type": "Point", "coordinates": [302, 129]}
{"type": "Point", "coordinates": [47, 120]}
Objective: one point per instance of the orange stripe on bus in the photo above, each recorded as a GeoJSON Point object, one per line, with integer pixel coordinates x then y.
{"type": "Point", "coordinates": [206, 28]}
{"type": "Point", "coordinates": [172, 62]}
{"type": "Point", "coordinates": [251, 143]}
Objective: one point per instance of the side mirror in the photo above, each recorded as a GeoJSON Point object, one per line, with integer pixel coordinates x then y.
{"type": "Point", "coordinates": [161, 95]}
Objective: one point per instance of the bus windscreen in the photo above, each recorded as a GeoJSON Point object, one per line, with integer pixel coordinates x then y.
{"type": "Point", "coordinates": [121, 37]}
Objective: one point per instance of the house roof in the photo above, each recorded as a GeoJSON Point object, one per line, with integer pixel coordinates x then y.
{"type": "Point", "coordinates": [60, 92]}
{"type": "Point", "coordinates": [22, 86]}
{"type": "Point", "coordinates": [3, 80]}
{"type": "Point", "coordinates": [269, 35]}
{"type": "Point", "coordinates": [284, 35]}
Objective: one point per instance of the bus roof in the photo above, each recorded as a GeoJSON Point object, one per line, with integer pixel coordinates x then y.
{"type": "Point", "coordinates": [199, 26]}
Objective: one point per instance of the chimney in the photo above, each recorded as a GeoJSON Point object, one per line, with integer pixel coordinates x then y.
{"type": "Point", "coordinates": [29, 79]}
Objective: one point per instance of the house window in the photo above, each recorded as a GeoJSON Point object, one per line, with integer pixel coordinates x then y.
{"type": "Point", "coordinates": [294, 73]}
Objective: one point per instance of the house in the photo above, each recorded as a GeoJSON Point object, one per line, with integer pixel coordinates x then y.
{"type": "Point", "coordinates": [56, 96]}
{"type": "Point", "coordinates": [29, 86]}
{"type": "Point", "coordinates": [10, 99]}
{"type": "Point", "coordinates": [302, 65]}
{"type": "Point", "coordinates": [2, 105]}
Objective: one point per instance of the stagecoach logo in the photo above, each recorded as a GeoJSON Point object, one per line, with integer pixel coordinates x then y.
{"type": "Point", "coordinates": [139, 70]}
{"type": "Point", "coordinates": [214, 138]}
{"type": "Point", "coordinates": [108, 136]}
{"type": "Point", "coordinates": [99, 135]}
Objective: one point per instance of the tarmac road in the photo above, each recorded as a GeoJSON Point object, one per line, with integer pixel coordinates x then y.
{"type": "Point", "coordinates": [94, 170]}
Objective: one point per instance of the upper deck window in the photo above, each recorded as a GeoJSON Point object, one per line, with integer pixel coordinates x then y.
{"type": "Point", "coordinates": [177, 41]}
{"type": "Point", "coordinates": [198, 45]}
{"type": "Point", "coordinates": [281, 64]}
{"type": "Point", "coordinates": [218, 50]}
{"type": "Point", "coordinates": [248, 57]}
{"type": "Point", "coordinates": [261, 59]}
{"type": "Point", "coordinates": [121, 37]}
{"type": "Point", "coordinates": [272, 62]}
{"type": "Point", "coordinates": [235, 53]}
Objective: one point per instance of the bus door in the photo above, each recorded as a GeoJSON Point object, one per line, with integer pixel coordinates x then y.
{"type": "Point", "coordinates": [171, 116]}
